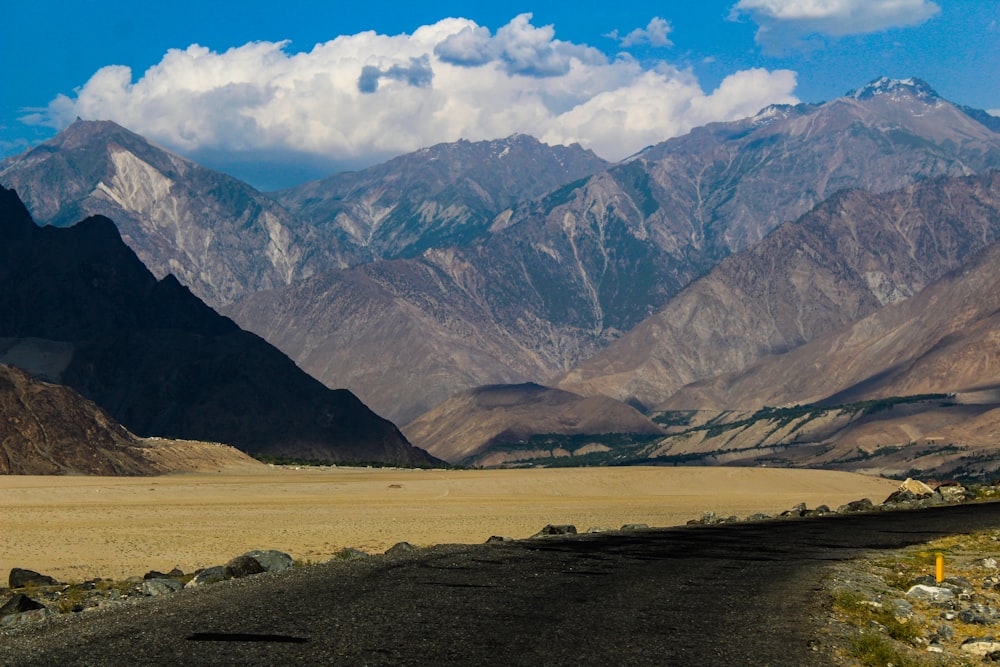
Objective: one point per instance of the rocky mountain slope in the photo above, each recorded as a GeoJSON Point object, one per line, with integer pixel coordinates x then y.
{"type": "Point", "coordinates": [472, 428]}
{"type": "Point", "coordinates": [48, 429]}
{"type": "Point", "coordinates": [218, 235]}
{"type": "Point", "coordinates": [158, 359]}
{"type": "Point", "coordinates": [561, 276]}
{"type": "Point", "coordinates": [223, 239]}
{"type": "Point", "coordinates": [445, 195]}
{"type": "Point", "coordinates": [850, 257]}
{"type": "Point", "coordinates": [942, 340]}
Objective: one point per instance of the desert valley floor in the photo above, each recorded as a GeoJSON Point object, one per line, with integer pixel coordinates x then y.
{"type": "Point", "coordinates": [76, 527]}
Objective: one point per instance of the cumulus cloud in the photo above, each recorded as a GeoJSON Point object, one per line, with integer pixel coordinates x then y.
{"type": "Point", "coordinates": [654, 34]}
{"type": "Point", "coordinates": [365, 97]}
{"type": "Point", "coordinates": [786, 21]}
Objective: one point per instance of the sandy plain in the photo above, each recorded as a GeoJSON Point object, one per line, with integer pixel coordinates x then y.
{"type": "Point", "coordinates": [75, 528]}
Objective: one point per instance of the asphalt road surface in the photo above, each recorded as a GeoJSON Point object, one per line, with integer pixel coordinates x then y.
{"type": "Point", "coordinates": [740, 594]}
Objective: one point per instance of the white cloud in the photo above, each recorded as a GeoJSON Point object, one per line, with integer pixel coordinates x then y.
{"type": "Point", "coordinates": [655, 34]}
{"type": "Point", "coordinates": [993, 112]}
{"type": "Point", "coordinates": [365, 97]}
{"type": "Point", "coordinates": [785, 21]}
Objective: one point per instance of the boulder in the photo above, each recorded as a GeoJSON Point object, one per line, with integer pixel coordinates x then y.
{"type": "Point", "coordinates": [243, 566]}
{"type": "Point", "coordinates": [930, 593]}
{"type": "Point", "coordinates": [19, 578]}
{"type": "Point", "coordinates": [916, 487]}
{"type": "Point", "coordinates": [18, 604]}
{"type": "Point", "coordinates": [556, 529]}
{"type": "Point", "coordinates": [160, 586]}
{"type": "Point", "coordinates": [272, 560]}
{"type": "Point", "coordinates": [634, 526]}
{"type": "Point", "coordinates": [399, 548]}
{"type": "Point", "coordinates": [209, 575]}
{"type": "Point", "coordinates": [863, 505]}
{"type": "Point", "coordinates": [980, 647]}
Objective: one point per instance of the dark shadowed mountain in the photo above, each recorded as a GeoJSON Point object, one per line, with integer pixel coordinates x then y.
{"type": "Point", "coordinates": [159, 360]}
{"type": "Point", "coordinates": [473, 427]}
{"type": "Point", "coordinates": [847, 259]}
{"type": "Point", "coordinates": [563, 275]}
{"type": "Point", "coordinates": [445, 195]}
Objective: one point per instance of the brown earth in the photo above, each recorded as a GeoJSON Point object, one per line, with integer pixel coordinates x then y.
{"type": "Point", "coordinates": [75, 528]}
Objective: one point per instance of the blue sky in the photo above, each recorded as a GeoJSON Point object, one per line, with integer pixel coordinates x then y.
{"type": "Point", "coordinates": [313, 87]}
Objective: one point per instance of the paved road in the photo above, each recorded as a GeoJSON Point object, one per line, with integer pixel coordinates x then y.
{"type": "Point", "coordinates": [742, 594]}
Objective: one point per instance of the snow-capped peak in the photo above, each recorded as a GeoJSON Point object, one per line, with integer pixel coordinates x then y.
{"type": "Point", "coordinates": [886, 86]}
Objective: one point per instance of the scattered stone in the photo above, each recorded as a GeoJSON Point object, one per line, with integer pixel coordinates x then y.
{"type": "Point", "coordinates": [160, 586]}
{"type": "Point", "coordinates": [496, 539]}
{"type": "Point", "coordinates": [930, 593]}
{"type": "Point", "coordinates": [243, 566]}
{"type": "Point", "coordinates": [272, 560]}
{"type": "Point", "coordinates": [20, 578]}
{"type": "Point", "coordinates": [348, 554]}
{"type": "Point", "coordinates": [18, 604]}
{"type": "Point", "coordinates": [153, 574]}
{"type": "Point", "coordinates": [209, 575]}
{"type": "Point", "coordinates": [554, 529]}
{"type": "Point", "coordinates": [759, 516]}
{"type": "Point", "coordinates": [988, 563]}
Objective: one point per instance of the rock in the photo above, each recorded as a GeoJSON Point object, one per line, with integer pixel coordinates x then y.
{"type": "Point", "coordinates": [980, 647]}
{"type": "Point", "coordinates": [272, 560]}
{"type": "Point", "coordinates": [988, 563]}
{"type": "Point", "coordinates": [930, 593]}
{"type": "Point", "coordinates": [25, 617]}
{"type": "Point", "coordinates": [973, 618]}
{"type": "Point", "coordinates": [634, 526]}
{"type": "Point", "coordinates": [958, 584]}
{"type": "Point", "coordinates": [209, 575]}
{"type": "Point", "coordinates": [902, 610]}
{"type": "Point", "coordinates": [863, 505]}
{"type": "Point", "coordinates": [946, 631]}
{"type": "Point", "coordinates": [153, 574]}
{"type": "Point", "coordinates": [554, 529]}
{"type": "Point", "coordinates": [759, 516]}
{"type": "Point", "coordinates": [20, 603]}
{"type": "Point", "coordinates": [399, 548]}
{"type": "Point", "coordinates": [798, 510]}
{"type": "Point", "coordinates": [243, 566]}
{"type": "Point", "coordinates": [496, 539]}
{"type": "Point", "coordinates": [916, 487]}
{"type": "Point", "coordinates": [20, 578]}
{"type": "Point", "coordinates": [348, 554]}
{"type": "Point", "coordinates": [160, 586]}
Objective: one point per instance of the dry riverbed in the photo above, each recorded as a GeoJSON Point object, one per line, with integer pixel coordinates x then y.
{"type": "Point", "coordinates": [75, 528]}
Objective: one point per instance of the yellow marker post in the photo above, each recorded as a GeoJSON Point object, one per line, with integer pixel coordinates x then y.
{"type": "Point", "coordinates": [939, 568]}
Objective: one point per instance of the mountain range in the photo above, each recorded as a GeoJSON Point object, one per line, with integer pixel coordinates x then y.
{"type": "Point", "coordinates": [746, 264]}
{"type": "Point", "coordinates": [561, 276]}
